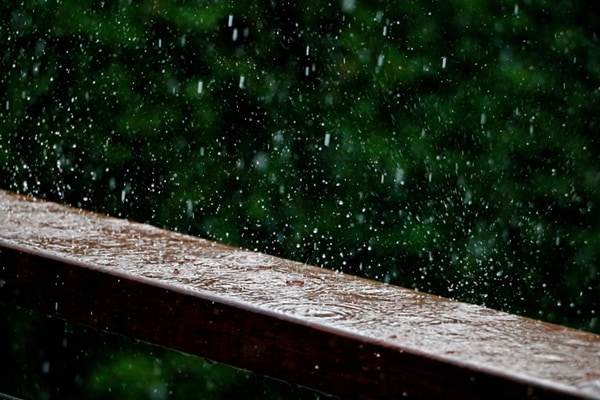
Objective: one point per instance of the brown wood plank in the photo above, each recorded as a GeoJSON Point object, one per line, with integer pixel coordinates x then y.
{"type": "Point", "coordinates": [333, 332]}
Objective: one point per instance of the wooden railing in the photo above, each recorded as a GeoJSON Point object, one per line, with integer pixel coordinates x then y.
{"type": "Point", "coordinates": [337, 333]}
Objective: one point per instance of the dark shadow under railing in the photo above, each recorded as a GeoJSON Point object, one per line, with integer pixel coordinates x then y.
{"type": "Point", "coordinates": [333, 332]}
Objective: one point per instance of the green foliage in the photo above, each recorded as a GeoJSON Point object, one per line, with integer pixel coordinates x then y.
{"type": "Point", "coordinates": [71, 361]}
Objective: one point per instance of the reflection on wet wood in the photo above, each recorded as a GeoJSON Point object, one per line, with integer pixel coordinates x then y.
{"type": "Point", "coordinates": [333, 332]}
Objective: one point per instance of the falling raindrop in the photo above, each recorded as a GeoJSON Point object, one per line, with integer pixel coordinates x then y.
{"type": "Point", "coordinates": [348, 5]}
{"type": "Point", "coordinates": [46, 367]}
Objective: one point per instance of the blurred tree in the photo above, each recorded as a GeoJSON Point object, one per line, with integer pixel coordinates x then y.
{"type": "Point", "coordinates": [72, 361]}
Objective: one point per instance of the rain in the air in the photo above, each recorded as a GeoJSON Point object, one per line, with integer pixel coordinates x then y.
{"type": "Point", "coordinates": [448, 147]}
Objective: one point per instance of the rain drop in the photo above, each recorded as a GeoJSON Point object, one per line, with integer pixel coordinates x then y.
{"type": "Point", "coordinates": [348, 5]}
{"type": "Point", "coordinates": [45, 367]}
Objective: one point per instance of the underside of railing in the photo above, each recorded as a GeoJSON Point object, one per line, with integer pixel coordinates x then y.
{"type": "Point", "coordinates": [333, 332]}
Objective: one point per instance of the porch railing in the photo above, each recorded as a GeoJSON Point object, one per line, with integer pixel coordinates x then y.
{"type": "Point", "coordinates": [337, 333]}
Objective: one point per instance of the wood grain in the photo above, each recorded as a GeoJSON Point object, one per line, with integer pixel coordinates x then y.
{"type": "Point", "coordinates": [333, 332]}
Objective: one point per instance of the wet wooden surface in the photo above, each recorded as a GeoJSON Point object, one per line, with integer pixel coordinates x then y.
{"type": "Point", "coordinates": [337, 333]}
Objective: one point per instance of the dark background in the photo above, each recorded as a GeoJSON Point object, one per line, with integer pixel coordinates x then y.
{"type": "Point", "coordinates": [451, 147]}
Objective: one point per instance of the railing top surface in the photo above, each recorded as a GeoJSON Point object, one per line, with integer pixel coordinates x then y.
{"type": "Point", "coordinates": [392, 317]}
